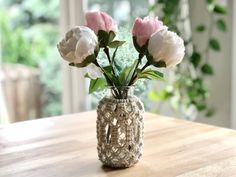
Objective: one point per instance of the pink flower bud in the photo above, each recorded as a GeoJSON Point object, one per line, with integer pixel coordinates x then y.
{"type": "Point", "coordinates": [144, 28]}
{"type": "Point", "coordinates": [100, 21]}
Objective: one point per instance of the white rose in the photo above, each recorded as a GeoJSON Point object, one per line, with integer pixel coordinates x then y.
{"type": "Point", "coordinates": [166, 46]}
{"type": "Point", "coordinates": [94, 72]}
{"type": "Point", "coordinates": [78, 43]}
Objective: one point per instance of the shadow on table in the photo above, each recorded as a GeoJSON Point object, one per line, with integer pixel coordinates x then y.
{"type": "Point", "coordinates": [108, 169]}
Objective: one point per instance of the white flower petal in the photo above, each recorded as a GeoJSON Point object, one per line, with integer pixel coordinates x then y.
{"type": "Point", "coordinates": [83, 49]}
{"type": "Point", "coordinates": [79, 43]}
{"type": "Point", "coordinates": [167, 46]}
{"type": "Point", "coordinates": [70, 56]}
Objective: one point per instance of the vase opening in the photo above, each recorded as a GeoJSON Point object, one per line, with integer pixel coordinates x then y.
{"type": "Point", "coordinates": [122, 92]}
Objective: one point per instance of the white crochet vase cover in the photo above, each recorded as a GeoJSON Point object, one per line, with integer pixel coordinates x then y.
{"type": "Point", "coordinates": [120, 131]}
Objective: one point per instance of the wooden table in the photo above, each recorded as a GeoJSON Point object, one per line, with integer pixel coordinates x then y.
{"type": "Point", "coordinates": [65, 146]}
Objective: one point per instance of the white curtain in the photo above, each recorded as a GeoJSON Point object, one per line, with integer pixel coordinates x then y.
{"type": "Point", "coordinates": [74, 95]}
{"type": "Point", "coordinates": [233, 85]}
{"type": "Point", "coordinates": [4, 116]}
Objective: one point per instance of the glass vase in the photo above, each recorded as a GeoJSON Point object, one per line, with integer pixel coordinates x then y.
{"type": "Point", "coordinates": [120, 128]}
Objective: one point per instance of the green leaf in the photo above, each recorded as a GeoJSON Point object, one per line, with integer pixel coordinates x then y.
{"type": "Point", "coordinates": [210, 112]}
{"type": "Point", "coordinates": [96, 84]}
{"type": "Point", "coordinates": [140, 49]}
{"type": "Point", "coordinates": [112, 35]}
{"type": "Point", "coordinates": [151, 74]}
{"type": "Point", "coordinates": [108, 69]}
{"type": "Point", "coordinates": [164, 94]}
{"type": "Point", "coordinates": [123, 75]}
{"type": "Point", "coordinates": [137, 47]}
{"type": "Point", "coordinates": [89, 59]}
{"type": "Point", "coordinates": [160, 95]}
{"type": "Point", "coordinates": [200, 28]}
{"type": "Point", "coordinates": [112, 78]}
{"type": "Point", "coordinates": [117, 67]}
{"type": "Point", "coordinates": [114, 55]}
{"type": "Point", "coordinates": [158, 64]}
{"type": "Point", "coordinates": [210, 7]}
{"type": "Point", "coordinates": [71, 64]}
{"type": "Point", "coordinates": [201, 106]}
{"type": "Point", "coordinates": [87, 76]}
{"type": "Point", "coordinates": [153, 95]}
{"type": "Point", "coordinates": [207, 69]}
{"type": "Point", "coordinates": [210, 1]}
{"type": "Point", "coordinates": [195, 59]}
{"type": "Point", "coordinates": [115, 44]}
{"type": "Point", "coordinates": [103, 38]}
{"type": "Point", "coordinates": [221, 25]}
{"type": "Point", "coordinates": [214, 44]}
{"type": "Point", "coordinates": [192, 93]}
{"type": "Point", "coordinates": [219, 9]}
{"type": "Point", "coordinates": [126, 74]}
{"type": "Point", "coordinates": [96, 51]}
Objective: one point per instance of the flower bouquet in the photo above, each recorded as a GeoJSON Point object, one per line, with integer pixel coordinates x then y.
{"type": "Point", "coordinates": [120, 114]}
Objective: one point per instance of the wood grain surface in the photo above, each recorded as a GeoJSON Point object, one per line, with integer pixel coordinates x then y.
{"type": "Point", "coordinates": [65, 146]}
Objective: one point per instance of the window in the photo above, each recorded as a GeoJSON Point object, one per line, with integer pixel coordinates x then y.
{"type": "Point", "coordinates": [30, 74]}
{"type": "Point", "coordinates": [126, 13]}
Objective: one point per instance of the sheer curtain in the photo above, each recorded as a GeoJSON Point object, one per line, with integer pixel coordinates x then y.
{"type": "Point", "coordinates": [4, 117]}
{"type": "Point", "coordinates": [233, 86]}
{"type": "Point", "coordinates": [74, 94]}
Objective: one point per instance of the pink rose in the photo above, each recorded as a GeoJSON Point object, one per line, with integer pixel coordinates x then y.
{"type": "Point", "coordinates": [143, 29]}
{"type": "Point", "coordinates": [100, 21]}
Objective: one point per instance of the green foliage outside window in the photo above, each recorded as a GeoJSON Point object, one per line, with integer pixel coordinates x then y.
{"type": "Point", "coordinates": [29, 33]}
{"type": "Point", "coordinates": [189, 88]}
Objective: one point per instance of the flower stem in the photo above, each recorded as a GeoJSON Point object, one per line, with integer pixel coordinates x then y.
{"type": "Point", "coordinates": [107, 78]}
{"type": "Point", "coordinates": [133, 75]}
{"type": "Point", "coordinates": [133, 80]}
{"type": "Point", "coordinates": [109, 81]}
{"type": "Point", "coordinates": [146, 65]}
{"type": "Point", "coordinates": [106, 50]}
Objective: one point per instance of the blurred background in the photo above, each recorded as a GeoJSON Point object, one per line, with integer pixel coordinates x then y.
{"type": "Point", "coordinates": [36, 83]}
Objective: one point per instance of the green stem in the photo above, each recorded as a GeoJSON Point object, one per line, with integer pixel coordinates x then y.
{"type": "Point", "coordinates": [106, 50]}
{"type": "Point", "coordinates": [145, 66]}
{"type": "Point", "coordinates": [109, 81]}
{"type": "Point", "coordinates": [136, 76]}
{"type": "Point", "coordinates": [139, 60]}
